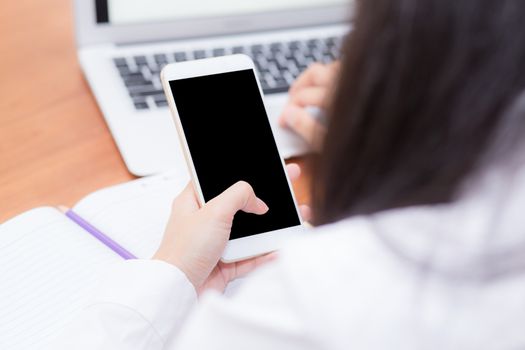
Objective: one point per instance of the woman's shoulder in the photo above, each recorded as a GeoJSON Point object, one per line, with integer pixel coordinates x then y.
{"type": "Point", "coordinates": [344, 259]}
{"type": "Point", "coordinates": [341, 276]}
{"type": "Point", "coordinates": [340, 246]}
{"type": "Point", "coordinates": [347, 275]}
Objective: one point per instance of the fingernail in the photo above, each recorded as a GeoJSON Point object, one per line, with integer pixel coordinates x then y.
{"type": "Point", "coordinates": [262, 205]}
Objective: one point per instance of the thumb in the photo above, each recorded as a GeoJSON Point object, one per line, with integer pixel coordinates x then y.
{"type": "Point", "coordinates": [239, 196]}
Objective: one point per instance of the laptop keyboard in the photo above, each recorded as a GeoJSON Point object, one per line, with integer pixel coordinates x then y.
{"type": "Point", "coordinates": [278, 64]}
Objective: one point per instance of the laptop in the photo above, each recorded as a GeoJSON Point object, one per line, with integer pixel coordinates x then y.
{"type": "Point", "coordinates": [123, 45]}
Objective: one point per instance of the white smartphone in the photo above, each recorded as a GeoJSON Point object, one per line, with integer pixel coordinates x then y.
{"type": "Point", "coordinates": [225, 134]}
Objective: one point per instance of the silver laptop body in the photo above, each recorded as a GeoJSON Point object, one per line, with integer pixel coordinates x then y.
{"type": "Point", "coordinates": [123, 44]}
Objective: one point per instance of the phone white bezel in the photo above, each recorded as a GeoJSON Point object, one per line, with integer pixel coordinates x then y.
{"type": "Point", "coordinates": [245, 247]}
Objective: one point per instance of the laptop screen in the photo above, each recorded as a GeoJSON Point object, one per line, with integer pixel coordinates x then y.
{"type": "Point", "coordinates": [143, 11]}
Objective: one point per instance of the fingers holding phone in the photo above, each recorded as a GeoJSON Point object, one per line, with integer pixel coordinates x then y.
{"type": "Point", "coordinates": [196, 236]}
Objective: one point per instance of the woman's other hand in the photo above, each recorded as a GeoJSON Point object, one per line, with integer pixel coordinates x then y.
{"type": "Point", "coordinates": [195, 237]}
{"type": "Point", "coordinates": [311, 89]}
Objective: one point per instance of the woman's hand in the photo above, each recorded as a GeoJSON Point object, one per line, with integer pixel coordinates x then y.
{"type": "Point", "coordinates": [195, 237]}
{"type": "Point", "coordinates": [311, 89]}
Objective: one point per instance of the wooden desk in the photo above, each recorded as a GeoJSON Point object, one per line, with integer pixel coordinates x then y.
{"type": "Point", "coordinates": [55, 147]}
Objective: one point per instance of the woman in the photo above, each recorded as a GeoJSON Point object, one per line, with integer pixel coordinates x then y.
{"type": "Point", "coordinates": [419, 194]}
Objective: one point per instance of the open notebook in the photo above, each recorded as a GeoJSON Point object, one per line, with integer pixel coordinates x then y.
{"type": "Point", "coordinates": [49, 265]}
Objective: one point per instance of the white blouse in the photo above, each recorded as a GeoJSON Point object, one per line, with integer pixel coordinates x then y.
{"type": "Point", "coordinates": [437, 277]}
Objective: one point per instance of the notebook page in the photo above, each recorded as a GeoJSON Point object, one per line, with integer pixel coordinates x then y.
{"type": "Point", "coordinates": [135, 213]}
{"type": "Point", "coordinates": [48, 267]}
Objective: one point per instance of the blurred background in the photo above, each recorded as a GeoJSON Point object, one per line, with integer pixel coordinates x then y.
{"type": "Point", "coordinates": [82, 107]}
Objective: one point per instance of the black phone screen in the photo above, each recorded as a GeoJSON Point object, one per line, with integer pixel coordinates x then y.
{"type": "Point", "coordinates": [230, 139]}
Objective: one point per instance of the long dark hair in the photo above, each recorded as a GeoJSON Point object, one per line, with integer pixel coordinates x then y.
{"type": "Point", "coordinates": [423, 87]}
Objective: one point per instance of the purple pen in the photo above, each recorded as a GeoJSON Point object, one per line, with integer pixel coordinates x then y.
{"type": "Point", "coordinates": [108, 242]}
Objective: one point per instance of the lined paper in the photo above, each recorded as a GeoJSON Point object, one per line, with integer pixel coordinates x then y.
{"type": "Point", "coordinates": [49, 267]}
